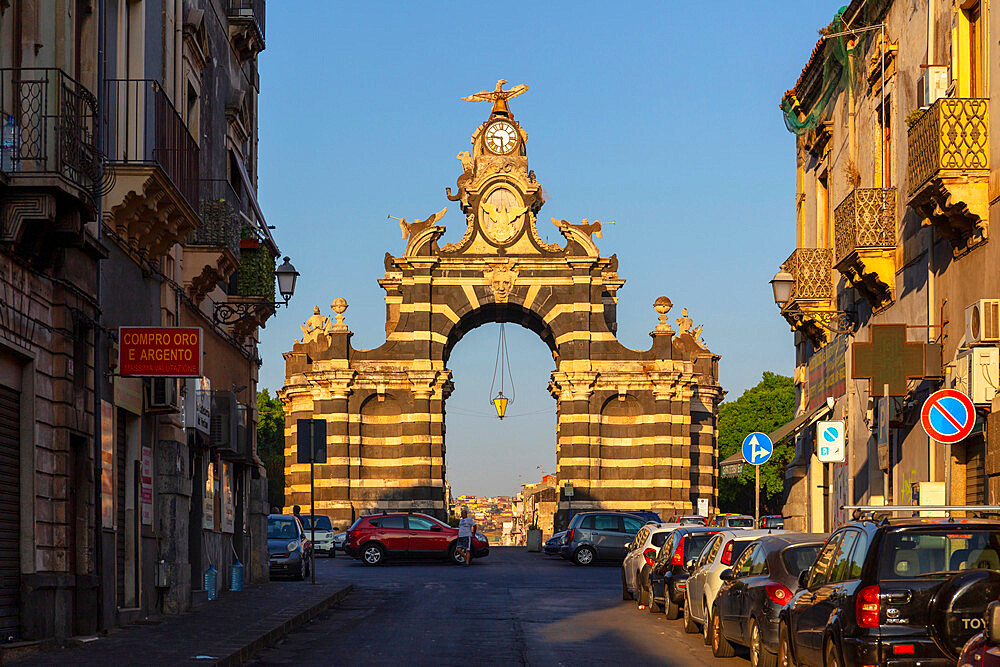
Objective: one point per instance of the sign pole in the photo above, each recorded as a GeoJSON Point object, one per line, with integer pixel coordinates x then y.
{"type": "Point", "coordinates": [947, 473]}
{"type": "Point", "coordinates": [756, 486]}
{"type": "Point", "coordinates": [312, 512]}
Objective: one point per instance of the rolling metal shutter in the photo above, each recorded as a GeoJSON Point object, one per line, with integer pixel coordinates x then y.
{"type": "Point", "coordinates": [10, 511]}
{"type": "Point", "coordinates": [975, 471]}
{"type": "Point", "coordinates": [121, 446]}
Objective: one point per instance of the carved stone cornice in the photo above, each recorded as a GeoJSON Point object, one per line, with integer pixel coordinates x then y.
{"type": "Point", "coordinates": [573, 385]}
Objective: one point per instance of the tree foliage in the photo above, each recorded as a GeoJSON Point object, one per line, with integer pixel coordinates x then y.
{"type": "Point", "coordinates": [763, 408]}
{"type": "Point", "coordinates": [271, 445]}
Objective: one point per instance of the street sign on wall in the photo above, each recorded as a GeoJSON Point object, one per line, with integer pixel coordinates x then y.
{"type": "Point", "coordinates": [757, 449]}
{"type": "Point", "coordinates": [948, 416]}
{"type": "Point", "coordinates": [159, 351]}
{"type": "Point", "coordinates": [830, 442]}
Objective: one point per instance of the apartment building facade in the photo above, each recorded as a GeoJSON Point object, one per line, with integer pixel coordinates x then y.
{"type": "Point", "coordinates": [895, 188]}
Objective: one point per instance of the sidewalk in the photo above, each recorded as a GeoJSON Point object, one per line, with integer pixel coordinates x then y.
{"type": "Point", "coordinates": [224, 632]}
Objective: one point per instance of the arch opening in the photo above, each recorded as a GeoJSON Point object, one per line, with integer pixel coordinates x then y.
{"type": "Point", "coordinates": [501, 312]}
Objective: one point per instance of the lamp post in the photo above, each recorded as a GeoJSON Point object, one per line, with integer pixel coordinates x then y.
{"type": "Point", "coordinates": [231, 312]}
{"type": "Point", "coordinates": [782, 284]}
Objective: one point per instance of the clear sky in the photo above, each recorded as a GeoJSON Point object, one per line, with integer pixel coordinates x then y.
{"type": "Point", "coordinates": [661, 116]}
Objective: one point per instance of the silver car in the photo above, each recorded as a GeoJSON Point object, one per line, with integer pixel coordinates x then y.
{"type": "Point", "coordinates": [642, 552]}
{"type": "Point", "coordinates": [704, 583]}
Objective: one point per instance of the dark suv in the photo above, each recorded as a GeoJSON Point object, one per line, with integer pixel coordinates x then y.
{"type": "Point", "coordinates": [669, 574]}
{"type": "Point", "coordinates": [900, 591]}
{"type": "Point", "coordinates": [599, 536]}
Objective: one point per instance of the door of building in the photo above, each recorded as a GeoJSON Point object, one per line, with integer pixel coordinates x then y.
{"type": "Point", "coordinates": [10, 511]}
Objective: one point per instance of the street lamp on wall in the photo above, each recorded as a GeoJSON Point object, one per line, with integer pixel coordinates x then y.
{"type": "Point", "coordinates": [782, 284]}
{"type": "Point", "coordinates": [232, 312]}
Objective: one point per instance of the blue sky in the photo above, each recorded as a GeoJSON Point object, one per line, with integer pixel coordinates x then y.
{"type": "Point", "coordinates": [661, 116]}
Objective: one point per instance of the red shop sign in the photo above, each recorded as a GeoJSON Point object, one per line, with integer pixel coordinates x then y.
{"type": "Point", "coordinates": [159, 351]}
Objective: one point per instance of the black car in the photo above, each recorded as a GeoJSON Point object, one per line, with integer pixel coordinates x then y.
{"type": "Point", "coordinates": [755, 589]}
{"type": "Point", "coordinates": [553, 544]}
{"type": "Point", "coordinates": [899, 591]}
{"type": "Point", "coordinates": [667, 578]}
{"type": "Point", "coordinates": [288, 548]}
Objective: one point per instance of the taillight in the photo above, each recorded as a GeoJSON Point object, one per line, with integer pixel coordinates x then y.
{"type": "Point", "coordinates": [650, 556]}
{"type": "Point", "coordinates": [727, 553]}
{"type": "Point", "coordinates": [678, 558]}
{"type": "Point", "coordinates": [569, 535]}
{"type": "Point", "coordinates": [903, 649]}
{"type": "Point", "coordinates": [868, 607]}
{"type": "Point", "coordinates": [777, 593]}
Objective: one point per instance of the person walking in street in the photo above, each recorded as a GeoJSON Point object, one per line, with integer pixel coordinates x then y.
{"type": "Point", "coordinates": [466, 527]}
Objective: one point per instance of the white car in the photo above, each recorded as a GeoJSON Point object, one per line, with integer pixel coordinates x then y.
{"type": "Point", "coordinates": [704, 583]}
{"type": "Point", "coordinates": [324, 534]}
{"type": "Point", "coordinates": [642, 552]}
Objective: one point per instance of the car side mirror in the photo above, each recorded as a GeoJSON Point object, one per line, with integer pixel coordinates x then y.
{"type": "Point", "coordinates": [691, 563]}
{"type": "Point", "coordinates": [436, 529]}
{"type": "Point", "coordinates": [993, 622]}
{"type": "Point", "coordinates": [804, 578]}
{"type": "Point", "coordinates": [727, 574]}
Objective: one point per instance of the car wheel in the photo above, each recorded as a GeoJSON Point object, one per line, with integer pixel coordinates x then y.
{"type": "Point", "coordinates": [641, 596]}
{"type": "Point", "coordinates": [652, 606]}
{"type": "Point", "coordinates": [301, 573]}
{"type": "Point", "coordinates": [583, 556]}
{"type": "Point", "coordinates": [455, 556]}
{"type": "Point", "coordinates": [831, 655]}
{"type": "Point", "coordinates": [721, 648]}
{"type": "Point", "coordinates": [670, 608]}
{"type": "Point", "coordinates": [706, 627]}
{"type": "Point", "coordinates": [690, 626]}
{"type": "Point", "coordinates": [372, 554]}
{"type": "Point", "coordinates": [759, 656]}
{"type": "Point", "coordinates": [625, 594]}
{"type": "Point", "coordinates": [784, 647]}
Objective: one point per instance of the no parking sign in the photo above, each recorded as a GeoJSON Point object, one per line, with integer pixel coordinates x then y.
{"type": "Point", "coordinates": [948, 416]}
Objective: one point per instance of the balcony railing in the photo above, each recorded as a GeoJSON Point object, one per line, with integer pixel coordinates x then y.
{"type": "Point", "coordinates": [255, 277]}
{"type": "Point", "coordinates": [221, 221]}
{"type": "Point", "coordinates": [48, 126]}
{"type": "Point", "coordinates": [144, 128]}
{"type": "Point", "coordinates": [865, 219]}
{"type": "Point", "coordinates": [248, 9]}
{"type": "Point", "coordinates": [812, 269]}
{"type": "Point", "coordinates": [951, 135]}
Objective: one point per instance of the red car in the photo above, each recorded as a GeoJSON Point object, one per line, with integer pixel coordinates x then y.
{"type": "Point", "coordinates": [374, 538]}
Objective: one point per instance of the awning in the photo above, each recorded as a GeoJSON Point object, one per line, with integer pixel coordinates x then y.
{"type": "Point", "coordinates": [733, 466]}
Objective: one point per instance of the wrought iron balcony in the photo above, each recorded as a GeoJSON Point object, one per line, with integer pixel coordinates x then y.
{"type": "Point", "coordinates": [865, 240]}
{"type": "Point", "coordinates": [810, 307]}
{"type": "Point", "coordinates": [950, 136]}
{"type": "Point", "coordinates": [144, 128]}
{"type": "Point", "coordinates": [221, 218]}
{"type": "Point", "coordinates": [948, 169]}
{"type": "Point", "coordinates": [49, 123]}
{"type": "Point", "coordinates": [246, 26]}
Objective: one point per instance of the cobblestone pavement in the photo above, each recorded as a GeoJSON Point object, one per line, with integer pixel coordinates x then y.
{"type": "Point", "coordinates": [511, 607]}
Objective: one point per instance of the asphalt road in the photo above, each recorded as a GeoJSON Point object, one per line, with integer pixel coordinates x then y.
{"type": "Point", "coordinates": [511, 607]}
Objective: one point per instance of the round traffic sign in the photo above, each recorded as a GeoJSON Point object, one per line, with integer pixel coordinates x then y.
{"type": "Point", "coordinates": [948, 416]}
{"type": "Point", "coordinates": [757, 449]}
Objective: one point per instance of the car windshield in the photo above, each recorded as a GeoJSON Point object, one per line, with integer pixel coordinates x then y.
{"type": "Point", "coordinates": [694, 543]}
{"type": "Point", "coordinates": [800, 558]}
{"type": "Point", "coordinates": [692, 521]}
{"type": "Point", "coordinates": [322, 522]}
{"type": "Point", "coordinates": [281, 529]}
{"type": "Point", "coordinates": [916, 553]}
{"type": "Point", "coordinates": [741, 522]}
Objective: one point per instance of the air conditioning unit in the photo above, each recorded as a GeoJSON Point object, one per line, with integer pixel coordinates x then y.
{"type": "Point", "coordinates": [982, 322]}
{"type": "Point", "coordinates": [976, 373]}
{"type": "Point", "coordinates": [932, 85]}
{"type": "Point", "coordinates": [222, 433]}
{"type": "Point", "coordinates": [241, 448]}
{"type": "Point", "coordinates": [163, 396]}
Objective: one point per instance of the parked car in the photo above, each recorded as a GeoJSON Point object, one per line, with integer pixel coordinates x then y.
{"type": "Point", "coordinates": [719, 554]}
{"type": "Point", "coordinates": [900, 591]}
{"type": "Point", "coordinates": [719, 520]}
{"type": "Point", "coordinates": [373, 539]}
{"type": "Point", "coordinates": [340, 540]}
{"type": "Point", "coordinates": [983, 650]}
{"type": "Point", "coordinates": [288, 547]}
{"type": "Point", "coordinates": [324, 533]}
{"type": "Point", "coordinates": [594, 536]}
{"type": "Point", "coordinates": [755, 589]}
{"type": "Point", "coordinates": [641, 554]}
{"type": "Point", "coordinates": [667, 580]}
{"type": "Point", "coordinates": [646, 515]}
{"type": "Point", "coordinates": [738, 521]}
{"type": "Point", "coordinates": [772, 521]}
{"type": "Point", "coordinates": [553, 544]}
{"type": "Point", "coordinates": [689, 520]}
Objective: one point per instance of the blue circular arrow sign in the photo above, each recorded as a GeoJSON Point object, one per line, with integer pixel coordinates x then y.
{"type": "Point", "coordinates": [757, 449]}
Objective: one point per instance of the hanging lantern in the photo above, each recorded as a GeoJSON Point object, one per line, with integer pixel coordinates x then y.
{"type": "Point", "coordinates": [502, 367]}
{"type": "Point", "coordinates": [500, 403]}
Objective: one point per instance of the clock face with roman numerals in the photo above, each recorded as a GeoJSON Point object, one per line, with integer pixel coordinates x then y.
{"type": "Point", "coordinates": [501, 137]}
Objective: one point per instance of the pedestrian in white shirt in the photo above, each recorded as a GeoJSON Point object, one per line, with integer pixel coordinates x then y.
{"type": "Point", "coordinates": [466, 527]}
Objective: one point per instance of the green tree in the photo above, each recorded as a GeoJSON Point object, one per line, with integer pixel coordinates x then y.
{"type": "Point", "coordinates": [763, 408]}
{"type": "Point", "coordinates": [271, 445]}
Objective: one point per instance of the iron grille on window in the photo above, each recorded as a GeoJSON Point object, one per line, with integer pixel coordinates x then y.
{"type": "Point", "coordinates": [222, 212]}
{"type": "Point", "coordinates": [144, 128]}
{"type": "Point", "coordinates": [49, 122]}
{"type": "Point", "coordinates": [951, 135]}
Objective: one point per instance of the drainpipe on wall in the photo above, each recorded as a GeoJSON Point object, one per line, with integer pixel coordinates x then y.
{"type": "Point", "coordinates": [99, 364]}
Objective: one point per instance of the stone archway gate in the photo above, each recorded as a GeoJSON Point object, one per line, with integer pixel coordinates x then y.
{"type": "Point", "coordinates": [636, 429]}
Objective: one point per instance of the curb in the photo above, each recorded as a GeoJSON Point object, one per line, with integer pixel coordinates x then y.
{"type": "Point", "coordinates": [241, 651]}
